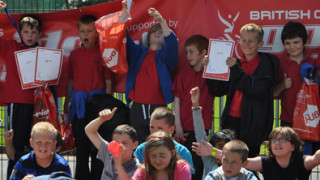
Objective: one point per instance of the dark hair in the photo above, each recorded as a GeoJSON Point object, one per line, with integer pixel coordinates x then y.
{"type": "Point", "coordinates": [164, 113]}
{"type": "Point", "coordinates": [290, 135]}
{"type": "Point", "coordinates": [87, 19]}
{"type": "Point", "coordinates": [237, 146]}
{"type": "Point", "coordinates": [126, 129]}
{"type": "Point", "coordinates": [31, 21]}
{"type": "Point", "coordinates": [294, 29]}
{"type": "Point", "coordinates": [225, 135]}
{"type": "Point", "coordinates": [59, 139]}
{"type": "Point", "coordinates": [199, 41]}
{"type": "Point", "coordinates": [154, 28]}
{"type": "Point", "coordinates": [156, 140]}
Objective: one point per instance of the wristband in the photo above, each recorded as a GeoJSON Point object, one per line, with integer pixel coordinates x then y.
{"type": "Point", "coordinates": [196, 108]}
{"type": "Point", "coordinates": [214, 152]}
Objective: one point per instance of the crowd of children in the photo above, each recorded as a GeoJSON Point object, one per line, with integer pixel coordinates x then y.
{"type": "Point", "coordinates": [145, 149]}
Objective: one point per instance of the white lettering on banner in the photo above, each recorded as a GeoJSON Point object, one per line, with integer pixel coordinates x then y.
{"type": "Point", "coordinates": [284, 15]}
{"type": "Point", "coordinates": [147, 25]}
{"type": "Point", "coordinates": [311, 116]}
{"type": "Point", "coordinates": [52, 41]}
{"type": "Point", "coordinates": [1, 32]}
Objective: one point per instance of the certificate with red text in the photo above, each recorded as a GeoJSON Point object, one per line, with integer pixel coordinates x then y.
{"type": "Point", "coordinates": [48, 66]}
{"type": "Point", "coordinates": [219, 51]}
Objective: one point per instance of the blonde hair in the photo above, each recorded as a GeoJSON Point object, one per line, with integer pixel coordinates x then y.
{"type": "Point", "coordinates": [255, 28]}
{"type": "Point", "coordinates": [44, 128]}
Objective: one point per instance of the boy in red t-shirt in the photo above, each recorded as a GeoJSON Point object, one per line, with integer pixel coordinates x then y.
{"type": "Point", "coordinates": [20, 102]}
{"type": "Point", "coordinates": [196, 48]}
{"type": "Point", "coordinates": [87, 77]}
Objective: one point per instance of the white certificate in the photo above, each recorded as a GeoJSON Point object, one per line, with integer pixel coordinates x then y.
{"type": "Point", "coordinates": [219, 51]}
{"type": "Point", "coordinates": [49, 65]}
{"type": "Point", "coordinates": [26, 63]}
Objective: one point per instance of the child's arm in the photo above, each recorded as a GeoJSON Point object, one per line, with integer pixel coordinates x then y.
{"type": "Point", "coordinates": [205, 149]}
{"type": "Point", "coordinates": [285, 84]}
{"type": "Point", "coordinates": [118, 164]}
{"type": "Point", "coordinates": [10, 150]}
{"type": "Point", "coordinates": [92, 128]}
{"type": "Point", "coordinates": [312, 161]}
{"type": "Point", "coordinates": [254, 164]}
{"type": "Point", "coordinates": [179, 129]}
{"type": "Point", "coordinates": [124, 13]}
{"type": "Point", "coordinates": [2, 5]}
{"type": "Point", "coordinates": [157, 16]}
{"type": "Point", "coordinates": [108, 86]}
{"type": "Point", "coordinates": [68, 94]}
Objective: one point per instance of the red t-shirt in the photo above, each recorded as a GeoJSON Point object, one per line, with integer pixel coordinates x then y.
{"type": "Point", "coordinates": [147, 89]}
{"type": "Point", "coordinates": [182, 85]}
{"type": "Point", "coordinates": [248, 67]}
{"type": "Point", "coordinates": [288, 96]}
{"type": "Point", "coordinates": [86, 69]}
{"type": "Point", "coordinates": [13, 92]}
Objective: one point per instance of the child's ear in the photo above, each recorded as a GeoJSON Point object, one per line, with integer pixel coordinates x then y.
{"type": "Point", "coordinates": [244, 164]}
{"type": "Point", "coordinates": [135, 144]}
{"type": "Point", "coordinates": [172, 128]}
{"type": "Point", "coordinates": [261, 44]}
{"type": "Point", "coordinates": [31, 144]}
{"type": "Point", "coordinates": [204, 52]}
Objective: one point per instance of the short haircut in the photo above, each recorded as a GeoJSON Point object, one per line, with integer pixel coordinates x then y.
{"type": "Point", "coordinates": [31, 21]}
{"type": "Point", "coordinates": [255, 28]}
{"type": "Point", "coordinates": [199, 41]}
{"type": "Point", "coordinates": [290, 135]}
{"type": "Point", "coordinates": [225, 135]}
{"type": "Point", "coordinates": [294, 29]}
{"type": "Point", "coordinates": [126, 129]}
{"type": "Point", "coordinates": [237, 146]}
{"type": "Point", "coordinates": [87, 19]}
{"type": "Point", "coordinates": [44, 128]}
{"type": "Point", "coordinates": [165, 114]}
{"type": "Point", "coordinates": [154, 28]}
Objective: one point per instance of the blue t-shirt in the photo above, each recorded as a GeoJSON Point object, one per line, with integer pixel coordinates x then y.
{"type": "Point", "coordinates": [28, 165]}
{"type": "Point", "coordinates": [183, 152]}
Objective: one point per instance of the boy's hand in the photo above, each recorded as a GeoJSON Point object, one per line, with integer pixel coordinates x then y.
{"type": "Point", "coordinates": [124, 12]}
{"type": "Point", "coordinates": [287, 82]}
{"type": "Point", "coordinates": [118, 160]}
{"type": "Point", "coordinates": [156, 15]}
{"type": "Point", "coordinates": [231, 61]}
{"type": "Point", "coordinates": [203, 149]}
{"type": "Point", "coordinates": [29, 176]}
{"type": "Point", "coordinates": [2, 5]}
{"type": "Point", "coordinates": [179, 133]}
{"type": "Point", "coordinates": [195, 96]}
{"type": "Point", "coordinates": [8, 136]}
{"type": "Point", "coordinates": [107, 114]}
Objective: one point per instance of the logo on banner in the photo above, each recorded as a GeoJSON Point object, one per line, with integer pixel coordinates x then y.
{"type": "Point", "coordinates": [110, 57]}
{"type": "Point", "coordinates": [311, 116]}
{"type": "Point", "coordinates": [228, 31]}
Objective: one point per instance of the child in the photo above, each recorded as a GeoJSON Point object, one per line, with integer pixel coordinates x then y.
{"type": "Point", "coordinates": [162, 119]}
{"type": "Point", "coordinates": [285, 160]}
{"type": "Point", "coordinates": [87, 77]}
{"type": "Point", "coordinates": [234, 158]}
{"type": "Point", "coordinates": [148, 80]}
{"type": "Point", "coordinates": [249, 106]}
{"type": "Point", "coordinates": [196, 48]}
{"type": "Point", "coordinates": [123, 166]}
{"type": "Point", "coordinates": [42, 160]}
{"type": "Point", "coordinates": [162, 160]}
{"type": "Point", "coordinates": [218, 139]}
{"type": "Point", "coordinates": [20, 102]}
{"type": "Point", "coordinates": [293, 68]}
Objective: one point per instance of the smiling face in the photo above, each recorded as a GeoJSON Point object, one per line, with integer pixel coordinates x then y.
{"type": "Point", "coordinates": [250, 44]}
{"type": "Point", "coordinates": [160, 157]}
{"type": "Point", "coordinates": [231, 163]}
{"type": "Point", "coordinates": [281, 149]}
{"type": "Point", "coordinates": [294, 47]}
{"type": "Point", "coordinates": [88, 34]}
{"type": "Point", "coordinates": [43, 145]}
{"type": "Point", "coordinates": [29, 35]}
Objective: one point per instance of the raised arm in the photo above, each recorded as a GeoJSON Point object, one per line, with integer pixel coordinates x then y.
{"type": "Point", "coordinates": [92, 128]}
{"type": "Point", "coordinates": [2, 5]}
{"type": "Point", "coordinates": [312, 161]}
{"type": "Point", "coordinates": [157, 16]}
{"type": "Point", "coordinates": [197, 115]}
{"type": "Point", "coordinates": [10, 150]}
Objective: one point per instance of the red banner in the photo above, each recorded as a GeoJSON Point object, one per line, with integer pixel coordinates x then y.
{"type": "Point", "coordinates": [217, 19]}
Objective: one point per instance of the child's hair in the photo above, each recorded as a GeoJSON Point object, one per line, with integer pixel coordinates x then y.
{"type": "Point", "coordinates": [255, 28]}
{"type": "Point", "coordinates": [126, 129]}
{"type": "Point", "coordinates": [87, 19]}
{"type": "Point", "coordinates": [165, 114]}
{"type": "Point", "coordinates": [154, 28]}
{"type": "Point", "coordinates": [44, 128]}
{"type": "Point", "coordinates": [294, 29]}
{"type": "Point", "coordinates": [225, 135]}
{"type": "Point", "coordinates": [237, 146]}
{"type": "Point", "coordinates": [31, 21]}
{"type": "Point", "coordinates": [291, 136]}
{"type": "Point", "coordinates": [156, 140]}
{"type": "Point", "coordinates": [199, 41]}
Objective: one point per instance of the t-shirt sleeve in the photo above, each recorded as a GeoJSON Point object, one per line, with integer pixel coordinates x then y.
{"type": "Point", "coordinates": [182, 171]}
{"type": "Point", "coordinates": [18, 172]}
{"type": "Point", "coordinates": [103, 152]}
{"type": "Point", "coordinates": [138, 175]}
